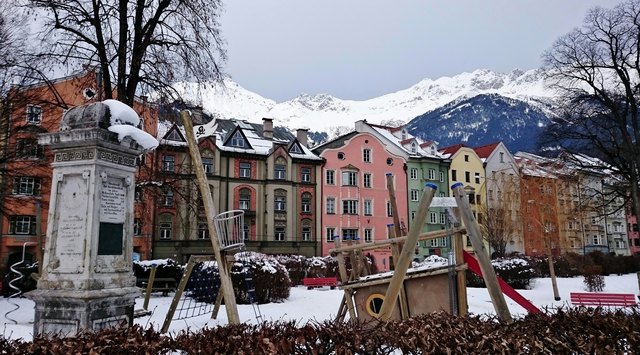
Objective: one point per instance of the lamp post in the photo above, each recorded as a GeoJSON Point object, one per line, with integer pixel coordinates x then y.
{"type": "Point", "coordinates": [547, 241]}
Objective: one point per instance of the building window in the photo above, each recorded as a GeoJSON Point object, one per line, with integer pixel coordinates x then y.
{"type": "Point", "coordinates": [467, 176]}
{"type": "Point", "coordinates": [441, 176]}
{"type": "Point", "coordinates": [477, 178]}
{"type": "Point", "coordinates": [413, 174]}
{"type": "Point", "coordinates": [432, 174]}
{"type": "Point", "coordinates": [389, 161]}
{"type": "Point", "coordinates": [596, 240]}
{"type": "Point", "coordinates": [443, 218]}
{"type": "Point", "coordinates": [414, 148]}
{"type": "Point", "coordinates": [414, 195]}
{"type": "Point", "coordinates": [34, 114]}
{"type": "Point", "coordinates": [454, 175]}
{"type": "Point", "coordinates": [137, 226]}
{"type": "Point", "coordinates": [306, 230]}
{"type": "Point", "coordinates": [306, 202]}
{"type": "Point", "coordinates": [329, 234]}
{"type": "Point", "coordinates": [466, 157]}
{"type": "Point", "coordinates": [26, 185]}
{"type": "Point", "coordinates": [366, 180]}
{"type": "Point", "coordinates": [305, 174]}
{"type": "Point", "coordinates": [389, 209]}
{"type": "Point", "coordinates": [29, 148]}
{"type": "Point", "coordinates": [245, 170]}
{"type": "Point", "coordinates": [203, 229]}
{"type": "Point", "coordinates": [619, 244]}
{"type": "Point", "coordinates": [433, 218]}
{"type": "Point", "coordinates": [280, 172]}
{"type": "Point", "coordinates": [368, 208]}
{"type": "Point", "coordinates": [22, 225]}
{"type": "Point", "coordinates": [340, 155]}
{"type": "Point", "coordinates": [237, 140]}
{"type": "Point", "coordinates": [368, 235]}
{"type": "Point", "coordinates": [207, 165]}
{"type": "Point", "coordinates": [244, 199]}
{"type": "Point", "coordinates": [165, 230]}
{"type": "Point", "coordinates": [331, 205]}
{"type": "Point", "coordinates": [349, 178]}
{"type": "Point", "coordinates": [137, 194]}
{"type": "Point", "coordinates": [366, 155]}
{"type": "Point", "coordinates": [413, 215]}
{"type": "Point", "coordinates": [330, 177]}
{"type": "Point", "coordinates": [167, 197]}
{"type": "Point", "coordinates": [168, 163]}
{"type": "Point", "coordinates": [350, 234]}
{"type": "Point", "coordinates": [280, 202]}
{"type": "Point", "coordinates": [245, 231]}
{"type": "Point", "coordinates": [349, 207]}
{"type": "Point", "coordinates": [279, 234]}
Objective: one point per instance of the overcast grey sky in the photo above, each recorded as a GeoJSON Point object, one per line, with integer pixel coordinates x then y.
{"type": "Point", "coordinates": [359, 49]}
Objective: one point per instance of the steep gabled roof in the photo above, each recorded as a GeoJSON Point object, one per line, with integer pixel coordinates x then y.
{"type": "Point", "coordinates": [452, 149]}
{"type": "Point", "coordinates": [486, 150]}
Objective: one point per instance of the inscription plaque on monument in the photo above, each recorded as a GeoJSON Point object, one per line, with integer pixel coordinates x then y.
{"type": "Point", "coordinates": [112, 205]}
{"type": "Point", "coordinates": [72, 226]}
{"type": "Point", "coordinates": [112, 217]}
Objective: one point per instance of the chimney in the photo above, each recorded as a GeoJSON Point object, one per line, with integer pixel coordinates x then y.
{"type": "Point", "coordinates": [267, 129]}
{"type": "Point", "coordinates": [301, 134]}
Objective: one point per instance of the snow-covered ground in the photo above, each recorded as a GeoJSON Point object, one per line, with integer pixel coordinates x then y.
{"type": "Point", "coordinates": [316, 305]}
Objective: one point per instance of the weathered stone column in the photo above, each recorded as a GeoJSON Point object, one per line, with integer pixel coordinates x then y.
{"type": "Point", "coordinates": [87, 279]}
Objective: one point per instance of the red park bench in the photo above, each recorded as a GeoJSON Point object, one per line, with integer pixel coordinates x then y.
{"type": "Point", "coordinates": [603, 299]}
{"type": "Point", "coordinates": [313, 282]}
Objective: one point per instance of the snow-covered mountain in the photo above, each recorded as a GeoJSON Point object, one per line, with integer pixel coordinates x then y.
{"type": "Point", "coordinates": [325, 113]}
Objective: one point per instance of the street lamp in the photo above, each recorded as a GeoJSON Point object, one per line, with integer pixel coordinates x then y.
{"type": "Point", "coordinates": [547, 241]}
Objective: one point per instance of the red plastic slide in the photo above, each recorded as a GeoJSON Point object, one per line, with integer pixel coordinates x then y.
{"type": "Point", "coordinates": [506, 289]}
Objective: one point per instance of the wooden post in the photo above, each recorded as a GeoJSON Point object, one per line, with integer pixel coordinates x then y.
{"type": "Point", "coordinates": [489, 275]}
{"type": "Point", "coordinates": [176, 298]}
{"type": "Point", "coordinates": [152, 276]}
{"type": "Point", "coordinates": [196, 162]}
{"type": "Point", "coordinates": [395, 247]}
{"type": "Point", "coordinates": [348, 294]}
{"type": "Point", "coordinates": [402, 264]}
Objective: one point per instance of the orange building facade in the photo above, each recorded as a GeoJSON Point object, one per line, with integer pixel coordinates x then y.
{"type": "Point", "coordinates": [26, 182]}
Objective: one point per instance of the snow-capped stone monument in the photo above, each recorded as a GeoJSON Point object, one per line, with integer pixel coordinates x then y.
{"type": "Point", "coordinates": [87, 280]}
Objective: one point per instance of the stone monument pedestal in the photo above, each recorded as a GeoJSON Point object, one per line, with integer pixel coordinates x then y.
{"type": "Point", "coordinates": [87, 280]}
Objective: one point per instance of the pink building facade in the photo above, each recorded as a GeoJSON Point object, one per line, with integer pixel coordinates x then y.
{"type": "Point", "coordinates": [356, 204]}
{"type": "Point", "coordinates": [634, 234]}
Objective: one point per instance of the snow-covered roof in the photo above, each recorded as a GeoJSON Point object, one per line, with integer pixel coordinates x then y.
{"type": "Point", "coordinates": [405, 144]}
{"type": "Point", "coordinates": [253, 134]}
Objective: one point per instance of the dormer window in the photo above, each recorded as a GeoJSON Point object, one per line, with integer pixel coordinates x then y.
{"type": "Point", "coordinates": [174, 136]}
{"type": "Point", "coordinates": [404, 134]}
{"type": "Point", "coordinates": [295, 149]}
{"type": "Point", "coordinates": [237, 140]}
{"type": "Point", "coordinates": [414, 149]}
{"type": "Point", "coordinates": [34, 114]}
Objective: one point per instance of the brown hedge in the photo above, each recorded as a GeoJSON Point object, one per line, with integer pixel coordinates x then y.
{"type": "Point", "coordinates": [566, 331]}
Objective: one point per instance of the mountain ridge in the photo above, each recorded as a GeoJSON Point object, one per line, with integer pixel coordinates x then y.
{"type": "Point", "coordinates": [326, 113]}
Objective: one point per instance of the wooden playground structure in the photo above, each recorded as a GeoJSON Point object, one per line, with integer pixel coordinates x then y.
{"type": "Point", "coordinates": [422, 290]}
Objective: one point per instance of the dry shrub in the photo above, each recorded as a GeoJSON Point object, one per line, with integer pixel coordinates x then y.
{"type": "Point", "coordinates": [568, 331]}
{"type": "Point", "coordinates": [593, 279]}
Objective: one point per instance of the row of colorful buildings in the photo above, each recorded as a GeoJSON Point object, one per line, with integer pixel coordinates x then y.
{"type": "Point", "coordinates": [297, 198]}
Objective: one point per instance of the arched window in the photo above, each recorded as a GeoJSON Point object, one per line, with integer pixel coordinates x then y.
{"type": "Point", "coordinates": [280, 169]}
{"type": "Point", "coordinates": [306, 202]}
{"type": "Point", "coordinates": [244, 199]}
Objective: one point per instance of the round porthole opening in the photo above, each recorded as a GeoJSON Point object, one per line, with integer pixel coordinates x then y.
{"type": "Point", "coordinates": [389, 161]}
{"type": "Point", "coordinates": [374, 304]}
{"type": "Point", "coordinates": [341, 156]}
